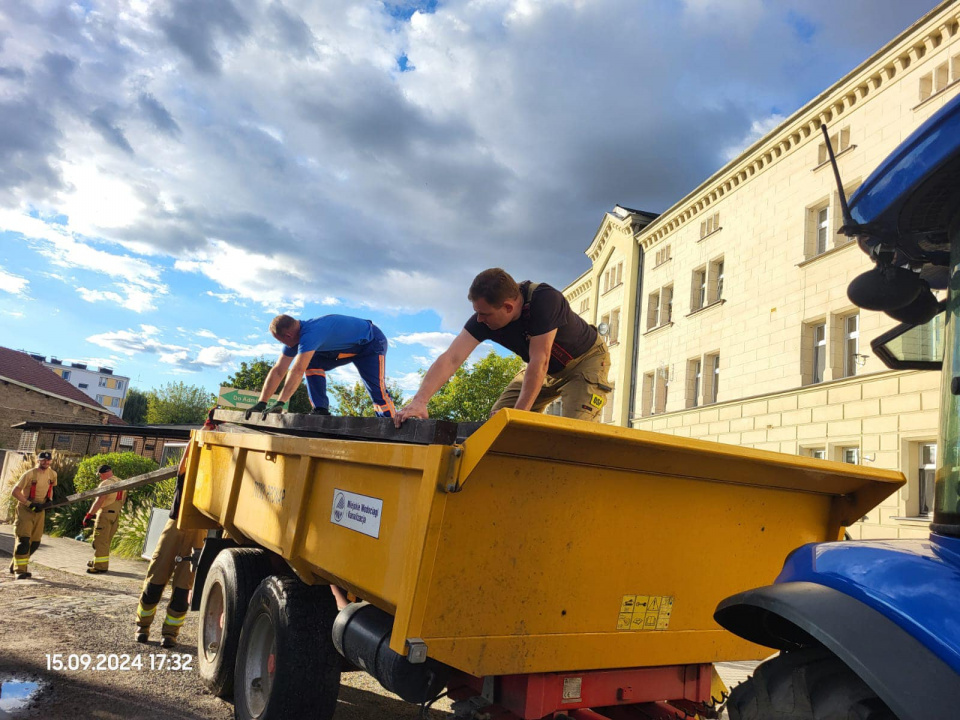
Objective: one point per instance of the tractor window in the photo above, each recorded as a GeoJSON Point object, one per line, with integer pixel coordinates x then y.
{"type": "Point", "coordinates": [946, 509]}
{"type": "Point", "coordinates": [912, 347]}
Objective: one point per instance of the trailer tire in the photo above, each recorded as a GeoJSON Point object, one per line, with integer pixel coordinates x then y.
{"type": "Point", "coordinates": [806, 684]}
{"type": "Point", "coordinates": [287, 666]}
{"type": "Point", "coordinates": [232, 580]}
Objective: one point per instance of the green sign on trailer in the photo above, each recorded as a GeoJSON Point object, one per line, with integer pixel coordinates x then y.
{"type": "Point", "coordinates": [239, 399]}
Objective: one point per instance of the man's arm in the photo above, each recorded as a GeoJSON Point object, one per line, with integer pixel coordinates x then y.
{"type": "Point", "coordinates": [21, 496]}
{"type": "Point", "coordinates": [294, 377]}
{"type": "Point", "coordinates": [274, 377]}
{"type": "Point", "coordinates": [441, 370]}
{"type": "Point", "coordinates": [540, 347]}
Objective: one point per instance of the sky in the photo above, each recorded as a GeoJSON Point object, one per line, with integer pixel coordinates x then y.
{"type": "Point", "coordinates": [173, 174]}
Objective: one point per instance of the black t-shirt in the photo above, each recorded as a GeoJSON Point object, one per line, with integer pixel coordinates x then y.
{"type": "Point", "coordinates": [548, 309]}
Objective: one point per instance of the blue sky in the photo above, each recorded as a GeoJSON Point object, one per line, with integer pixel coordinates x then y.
{"type": "Point", "coordinates": [173, 174]}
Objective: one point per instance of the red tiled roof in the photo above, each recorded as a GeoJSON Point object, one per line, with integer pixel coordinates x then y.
{"type": "Point", "coordinates": [22, 368]}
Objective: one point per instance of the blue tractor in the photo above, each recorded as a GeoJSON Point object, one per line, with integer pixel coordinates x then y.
{"type": "Point", "coordinates": [871, 630]}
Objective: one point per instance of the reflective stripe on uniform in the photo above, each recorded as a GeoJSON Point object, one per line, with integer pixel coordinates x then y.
{"type": "Point", "coordinates": [142, 612]}
{"type": "Point", "coordinates": [101, 559]}
{"type": "Point", "coordinates": [21, 561]}
{"type": "Point", "coordinates": [176, 621]}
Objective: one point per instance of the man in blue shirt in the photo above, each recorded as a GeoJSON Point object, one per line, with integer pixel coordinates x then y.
{"type": "Point", "coordinates": [319, 345]}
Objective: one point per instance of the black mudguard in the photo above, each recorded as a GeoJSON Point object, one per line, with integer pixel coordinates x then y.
{"type": "Point", "coordinates": [906, 675]}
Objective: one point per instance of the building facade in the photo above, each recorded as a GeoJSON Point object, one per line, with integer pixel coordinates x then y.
{"type": "Point", "coordinates": [100, 384]}
{"type": "Point", "coordinates": [734, 322]}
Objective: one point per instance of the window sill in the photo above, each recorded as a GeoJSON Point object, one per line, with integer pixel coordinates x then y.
{"type": "Point", "coordinates": [651, 331]}
{"type": "Point", "coordinates": [714, 304]}
{"type": "Point", "coordinates": [710, 234]}
{"type": "Point", "coordinates": [832, 251]}
{"type": "Point", "coordinates": [914, 519]}
{"type": "Point", "coordinates": [937, 94]}
{"type": "Point", "coordinates": [613, 344]}
{"type": "Point", "coordinates": [826, 163]}
{"type": "Point", "coordinates": [611, 289]}
{"type": "Point", "coordinates": [660, 264]}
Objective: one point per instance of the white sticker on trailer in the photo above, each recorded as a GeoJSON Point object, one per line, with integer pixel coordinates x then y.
{"type": "Point", "coordinates": [357, 512]}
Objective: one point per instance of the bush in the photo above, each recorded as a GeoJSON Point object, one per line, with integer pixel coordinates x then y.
{"type": "Point", "coordinates": [128, 542]}
{"type": "Point", "coordinates": [66, 521]}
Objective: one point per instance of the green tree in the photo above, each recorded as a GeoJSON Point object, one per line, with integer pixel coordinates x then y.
{"type": "Point", "coordinates": [471, 392]}
{"type": "Point", "coordinates": [354, 401]}
{"type": "Point", "coordinates": [135, 407]}
{"type": "Point", "coordinates": [251, 376]}
{"type": "Point", "coordinates": [178, 403]}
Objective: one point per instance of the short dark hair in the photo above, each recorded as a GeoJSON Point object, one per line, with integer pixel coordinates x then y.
{"type": "Point", "coordinates": [281, 324]}
{"type": "Point", "coordinates": [495, 286]}
{"type": "Point", "coordinates": [104, 469]}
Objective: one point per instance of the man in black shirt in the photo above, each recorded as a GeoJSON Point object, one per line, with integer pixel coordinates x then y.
{"type": "Point", "coordinates": [565, 356]}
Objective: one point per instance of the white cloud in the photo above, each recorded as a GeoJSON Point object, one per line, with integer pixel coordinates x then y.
{"type": "Point", "coordinates": [13, 314]}
{"type": "Point", "coordinates": [145, 340]}
{"type": "Point", "coordinates": [758, 128]}
{"type": "Point", "coordinates": [206, 334]}
{"type": "Point", "coordinates": [13, 284]}
{"type": "Point", "coordinates": [435, 342]}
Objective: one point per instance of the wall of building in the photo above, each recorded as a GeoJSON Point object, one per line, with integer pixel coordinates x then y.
{"type": "Point", "coordinates": [105, 388]}
{"type": "Point", "coordinates": [18, 404]}
{"type": "Point", "coordinates": [759, 218]}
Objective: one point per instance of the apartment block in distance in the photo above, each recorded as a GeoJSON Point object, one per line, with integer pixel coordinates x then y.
{"type": "Point", "coordinates": [733, 320]}
{"type": "Point", "coordinates": [99, 383]}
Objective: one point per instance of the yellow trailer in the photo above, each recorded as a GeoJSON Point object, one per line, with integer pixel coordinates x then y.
{"type": "Point", "coordinates": [574, 562]}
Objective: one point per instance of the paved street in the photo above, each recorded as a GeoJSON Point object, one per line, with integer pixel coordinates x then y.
{"type": "Point", "coordinates": [64, 610]}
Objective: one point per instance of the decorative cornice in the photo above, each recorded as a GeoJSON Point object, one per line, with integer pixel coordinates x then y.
{"type": "Point", "coordinates": [579, 289]}
{"type": "Point", "coordinates": [877, 72]}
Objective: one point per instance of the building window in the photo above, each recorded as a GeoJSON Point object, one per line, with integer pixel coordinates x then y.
{"type": "Point", "coordinates": [850, 455]}
{"type": "Point", "coordinates": [119, 384]}
{"type": "Point", "coordinates": [646, 400]}
{"type": "Point", "coordinates": [928, 470]}
{"type": "Point", "coordinates": [584, 307]}
{"type": "Point", "coordinates": [819, 339]}
{"type": "Point", "coordinates": [715, 293]}
{"type": "Point", "coordinates": [100, 399]}
{"type": "Point", "coordinates": [840, 141]}
{"type": "Point", "coordinates": [613, 277]}
{"type": "Point", "coordinates": [83, 386]}
{"type": "Point", "coordinates": [662, 255]}
{"type": "Point", "coordinates": [65, 374]}
{"type": "Point", "coordinates": [103, 382]}
{"type": "Point", "coordinates": [715, 385]}
{"type": "Point", "coordinates": [698, 297]}
{"type": "Point", "coordinates": [851, 344]}
{"type": "Point", "coordinates": [818, 453]}
{"type": "Point", "coordinates": [126, 441]}
{"type": "Point", "coordinates": [28, 442]}
{"type": "Point", "coordinates": [613, 337]}
{"type": "Point", "coordinates": [653, 310]}
{"type": "Point", "coordinates": [694, 381]}
{"type": "Point", "coordinates": [939, 78]}
{"type": "Point", "coordinates": [710, 225]}
{"type": "Point", "coordinates": [662, 390]}
{"type": "Point", "coordinates": [666, 311]}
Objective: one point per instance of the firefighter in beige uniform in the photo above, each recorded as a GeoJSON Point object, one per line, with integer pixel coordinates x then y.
{"type": "Point", "coordinates": [33, 494]}
{"type": "Point", "coordinates": [106, 510]}
{"type": "Point", "coordinates": [171, 558]}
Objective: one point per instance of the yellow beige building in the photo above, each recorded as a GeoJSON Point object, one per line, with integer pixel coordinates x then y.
{"type": "Point", "coordinates": [727, 315]}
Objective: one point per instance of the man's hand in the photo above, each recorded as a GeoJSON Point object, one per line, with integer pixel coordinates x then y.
{"type": "Point", "coordinates": [87, 519]}
{"type": "Point", "coordinates": [277, 407]}
{"type": "Point", "coordinates": [256, 409]}
{"type": "Point", "coordinates": [413, 409]}
{"type": "Point", "coordinates": [35, 506]}
{"type": "Point", "coordinates": [46, 504]}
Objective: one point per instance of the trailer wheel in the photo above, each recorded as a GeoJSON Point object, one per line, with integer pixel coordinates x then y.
{"type": "Point", "coordinates": [807, 684]}
{"type": "Point", "coordinates": [287, 666]}
{"type": "Point", "coordinates": [233, 578]}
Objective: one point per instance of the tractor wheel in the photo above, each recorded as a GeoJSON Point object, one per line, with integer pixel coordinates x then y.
{"type": "Point", "coordinates": [807, 684]}
{"type": "Point", "coordinates": [233, 578]}
{"type": "Point", "coordinates": [287, 665]}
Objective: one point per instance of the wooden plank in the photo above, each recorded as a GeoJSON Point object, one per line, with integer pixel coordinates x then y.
{"type": "Point", "coordinates": [420, 432]}
{"type": "Point", "coordinates": [154, 476]}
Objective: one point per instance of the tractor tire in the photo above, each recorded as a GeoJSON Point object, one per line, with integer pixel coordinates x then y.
{"type": "Point", "coordinates": [807, 684]}
{"type": "Point", "coordinates": [287, 666]}
{"type": "Point", "coordinates": [233, 578]}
